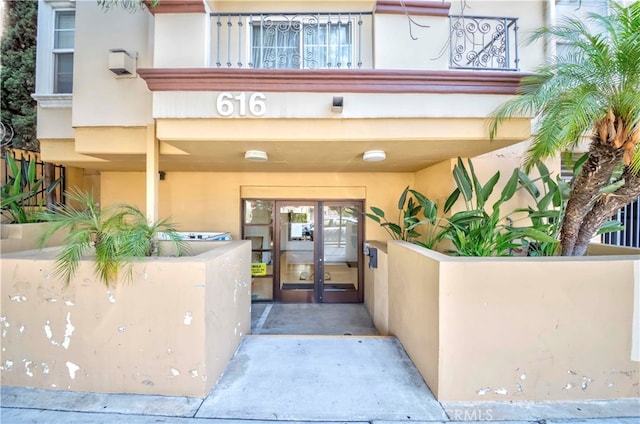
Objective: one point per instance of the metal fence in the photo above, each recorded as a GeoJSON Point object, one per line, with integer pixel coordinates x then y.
{"type": "Point", "coordinates": [22, 159]}
{"type": "Point", "coordinates": [483, 42]}
{"type": "Point", "coordinates": [629, 216]}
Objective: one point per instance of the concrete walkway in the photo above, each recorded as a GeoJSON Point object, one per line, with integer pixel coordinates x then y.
{"type": "Point", "coordinates": [288, 377]}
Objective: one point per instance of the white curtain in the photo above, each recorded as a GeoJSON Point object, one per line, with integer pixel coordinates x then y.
{"type": "Point", "coordinates": [276, 45]}
{"type": "Point", "coordinates": [327, 46]}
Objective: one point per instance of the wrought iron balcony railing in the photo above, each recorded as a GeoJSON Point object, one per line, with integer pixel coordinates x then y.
{"type": "Point", "coordinates": [481, 42]}
{"type": "Point", "coordinates": [289, 41]}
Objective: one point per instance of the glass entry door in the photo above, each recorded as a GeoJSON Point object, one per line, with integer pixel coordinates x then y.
{"type": "Point", "coordinates": [318, 255]}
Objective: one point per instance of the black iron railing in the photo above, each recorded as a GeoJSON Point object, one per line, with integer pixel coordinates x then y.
{"type": "Point", "coordinates": [629, 216]}
{"type": "Point", "coordinates": [288, 40]}
{"type": "Point", "coordinates": [482, 42]}
{"type": "Point", "coordinates": [39, 197]}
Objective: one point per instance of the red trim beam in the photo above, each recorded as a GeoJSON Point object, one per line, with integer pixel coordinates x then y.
{"type": "Point", "coordinates": [177, 6]}
{"type": "Point", "coordinates": [325, 80]}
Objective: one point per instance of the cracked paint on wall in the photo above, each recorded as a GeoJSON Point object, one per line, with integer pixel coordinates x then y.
{"type": "Point", "coordinates": [483, 391]}
{"type": "Point", "coordinates": [68, 331]}
{"type": "Point", "coordinates": [47, 330]}
{"type": "Point", "coordinates": [73, 368]}
{"type": "Point", "coordinates": [27, 366]}
{"type": "Point", "coordinates": [85, 313]}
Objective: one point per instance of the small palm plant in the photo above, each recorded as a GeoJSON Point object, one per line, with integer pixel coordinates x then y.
{"type": "Point", "coordinates": [116, 235]}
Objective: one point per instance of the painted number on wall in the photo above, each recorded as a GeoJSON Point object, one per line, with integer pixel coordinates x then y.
{"type": "Point", "coordinates": [229, 104]}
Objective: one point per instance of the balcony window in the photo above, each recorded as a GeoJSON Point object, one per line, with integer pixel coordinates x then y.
{"type": "Point", "coordinates": [291, 40]}
{"type": "Point", "coordinates": [63, 43]}
{"type": "Point", "coordinates": [295, 44]}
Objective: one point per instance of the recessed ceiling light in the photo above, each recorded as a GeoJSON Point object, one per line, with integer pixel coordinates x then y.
{"type": "Point", "coordinates": [256, 155]}
{"type": "Point", "coordinates": [374, 156]}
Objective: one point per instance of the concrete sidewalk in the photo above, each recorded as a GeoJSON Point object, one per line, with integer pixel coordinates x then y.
{"type": "Point", "coordinates": [305, 379]}
{"type": "Point", "coordinates": [360, 378]}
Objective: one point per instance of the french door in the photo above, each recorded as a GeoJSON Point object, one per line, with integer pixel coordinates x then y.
{"type": "Point", "coordinates": [317, 251]}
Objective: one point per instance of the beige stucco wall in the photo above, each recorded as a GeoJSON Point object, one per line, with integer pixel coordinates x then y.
{"type": "Point", "coordinates": [170, 331]}
{"type": "Point", "coordinates": [376, 288]}
{"type": "Point", "coordinates": [308, 105]}
{"type": "Point", "coordinates": [181, 40]}
{"type": "Point", "coordinates": [400, 44]}
{"type": "Point", "coordinates": [17, 237]}
{"type": "Point", "coordinates": [436, 182]}
{"type": "Point", "coordinates": [54, 123]}
{"type": "Point", "coordinates": [414, 309]}
{"type": "Point", "coordinates": [516, 328]}
{"type": "Point", "coordinates": [99, 97]}
{"type": "Point", "coordinates": [198, 201]}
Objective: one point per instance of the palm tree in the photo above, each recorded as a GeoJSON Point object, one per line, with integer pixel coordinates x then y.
{"type": "Point", "coordinates": [115, 236]}
{"type": "Point", "coordinates": [593, 89]}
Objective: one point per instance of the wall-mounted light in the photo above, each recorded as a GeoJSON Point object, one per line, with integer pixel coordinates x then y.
{"type": "Point", "coordinates": [256, 155]}
{"type": "Point", "coordinates": [374, 156]}
{"type": "Point", "coordinates": [122, 63]}
{"type": "Point", "coordinates": [338, 104]}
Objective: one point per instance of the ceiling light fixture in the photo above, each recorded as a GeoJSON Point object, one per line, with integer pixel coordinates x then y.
{"type": "Point", "coordinates": [374, 156]}
{"type": "Point", "coordinates": [255, 155]}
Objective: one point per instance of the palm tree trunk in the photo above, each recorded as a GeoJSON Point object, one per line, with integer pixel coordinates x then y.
{"type": "Point", "coordinates": [596, 172]}
{"type": "Point", "coordinates": [605, 208]}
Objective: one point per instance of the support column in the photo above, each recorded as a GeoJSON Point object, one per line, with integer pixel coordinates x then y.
{"type": "Point", "coordinates": [153, 173]}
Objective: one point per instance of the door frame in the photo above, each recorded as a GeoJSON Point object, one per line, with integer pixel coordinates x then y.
{"type": "Point", "coordinates": [318, 294]}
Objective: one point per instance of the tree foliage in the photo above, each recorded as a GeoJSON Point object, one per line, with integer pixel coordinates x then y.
{"type": "Point", "coordinates": [592, 89]}
{"type": "Point", "coordinates": [129, 5]}
{"type": "Point", "coordinates": [17, 81]}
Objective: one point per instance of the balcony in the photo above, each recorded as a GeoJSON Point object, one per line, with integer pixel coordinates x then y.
{"type": "Point", "coordinates": [481, 42]}
{"type": "Point", "coordinates": [343, 41]}
{"type": "Point", "coordinates": [291, 41]}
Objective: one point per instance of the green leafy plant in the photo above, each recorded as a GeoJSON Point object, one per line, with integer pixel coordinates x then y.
{"type": "Point", "coordinates": [546, 213]}
{"type": "Point", "coordinates": [550, 196]}
{"type": "Point", "coordinates": [408, 218]}
{"type": "Point", "coordinates": [20, 191]}
{"type": "Point", "coordinates": [483, 230]}
{"type": "Point", "coordinates": [433, 231]}
{"type": "Point", "coordinates": [116, 236]}
{"type": "Point", "coordinates": [477, 232]}
{"type": "Point", "coordinates": [128, 5]}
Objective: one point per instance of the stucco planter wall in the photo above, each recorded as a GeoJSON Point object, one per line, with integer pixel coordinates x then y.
{"type": "Point", "coordinates": [18, 237]}
{"type": "Point", "coordinates": [376, 289]}
{"type": "Point", "coordinates": [518, 328]}
{"type": "Point", "coordinates": [170, 331]}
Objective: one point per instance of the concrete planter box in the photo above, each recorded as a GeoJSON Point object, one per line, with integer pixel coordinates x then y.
{"type": "Point", "coordinates": [170, 331]}
{"type": "Point", "coordinates": [483, 329]}
{"type": "Point", "coordinates": [19, 237]}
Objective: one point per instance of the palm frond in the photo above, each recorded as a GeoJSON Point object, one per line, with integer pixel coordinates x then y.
{"type": "Point", "coordinates": [572, 93]}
